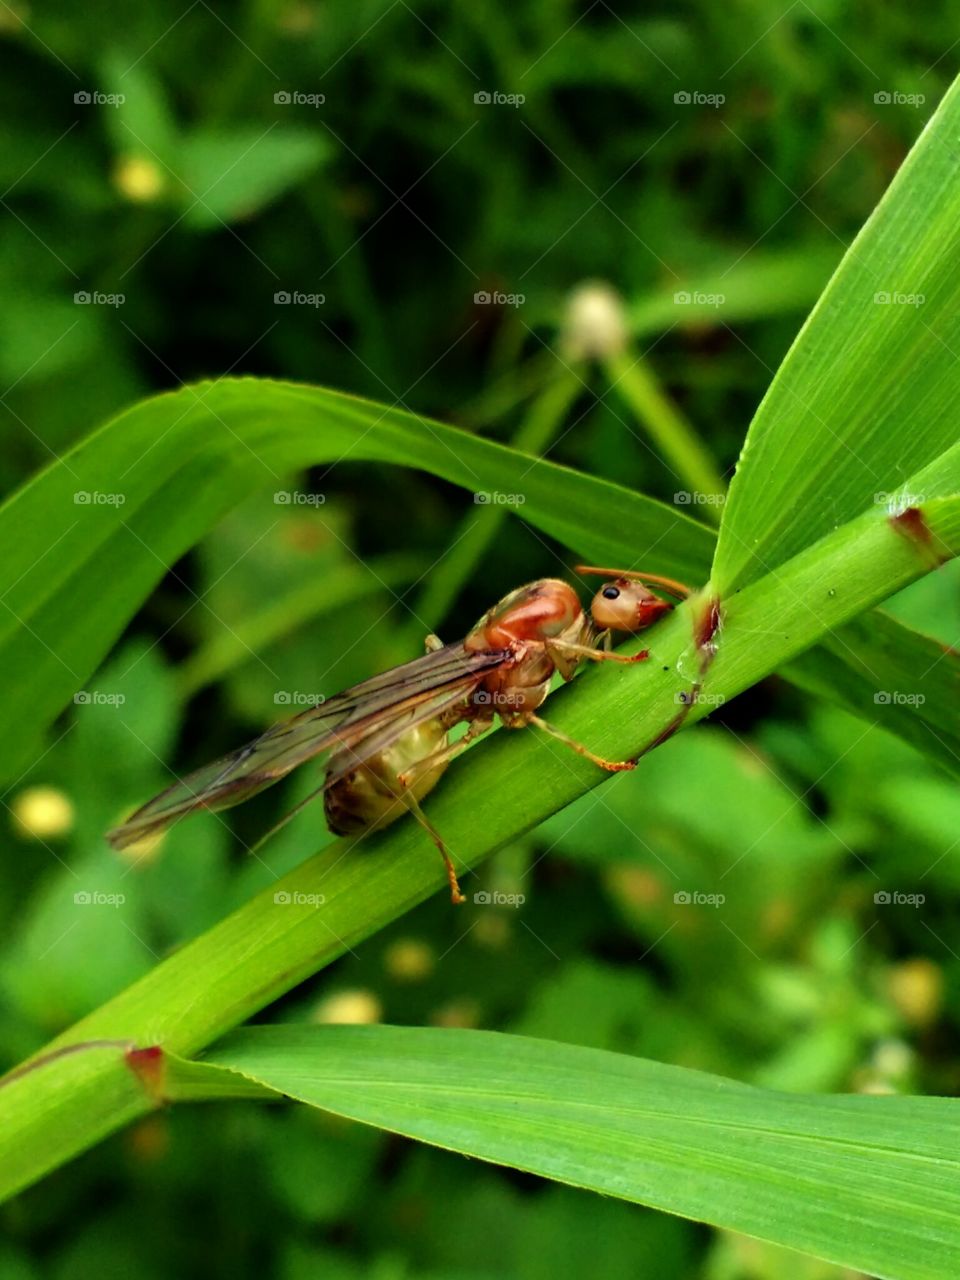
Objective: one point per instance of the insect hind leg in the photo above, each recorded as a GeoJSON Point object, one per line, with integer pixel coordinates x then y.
{"type": "Point", "coordinates": [412, 804]}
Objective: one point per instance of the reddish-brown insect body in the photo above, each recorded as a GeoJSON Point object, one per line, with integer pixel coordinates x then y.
{"type": "Point", "coordinates": [387, 739]}
{"type": "Point", "coordinates": [538, 611]}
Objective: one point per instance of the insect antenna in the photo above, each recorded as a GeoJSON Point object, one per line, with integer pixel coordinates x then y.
{"type": "Point", "coordinates": [678, 589]}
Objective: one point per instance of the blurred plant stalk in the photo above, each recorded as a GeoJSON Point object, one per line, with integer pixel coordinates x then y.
{"type": "Point", "coordinates": [477, 530]}
{"type": "Point", "coordinates": [682, 449]}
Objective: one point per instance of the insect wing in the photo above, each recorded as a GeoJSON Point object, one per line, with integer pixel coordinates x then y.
{"type": "Point", "coordinates": [377, 709]}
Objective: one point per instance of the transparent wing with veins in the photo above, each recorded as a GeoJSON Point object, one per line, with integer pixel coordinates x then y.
{"type": "Point", "coordinates": [358, 722]}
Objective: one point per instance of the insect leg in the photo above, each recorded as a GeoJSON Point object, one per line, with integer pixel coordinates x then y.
{"type": "Point", "coordinates": [595, 655]}
{"type": "Point", "coordinates": [411, 802]}
{"type": "Point", "coordinates": [612, 766]}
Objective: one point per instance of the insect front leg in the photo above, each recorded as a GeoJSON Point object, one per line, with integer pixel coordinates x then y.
{"type": "Point", "coordinates": [561, 650]}
{"type": "Point", "coordinates": [612, 766]}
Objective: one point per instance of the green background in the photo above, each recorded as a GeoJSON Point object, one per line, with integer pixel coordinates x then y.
{"type": "Point", "coordinates": [399, 199]}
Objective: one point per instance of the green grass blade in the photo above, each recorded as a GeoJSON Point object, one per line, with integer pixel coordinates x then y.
{"type": "Point", "coordinates": [866, 1182]}
{"type": "Point", "coordinates": [867, 394]}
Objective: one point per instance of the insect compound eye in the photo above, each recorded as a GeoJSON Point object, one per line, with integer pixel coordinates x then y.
{"type": "Point", "coordinates": [611, 593]}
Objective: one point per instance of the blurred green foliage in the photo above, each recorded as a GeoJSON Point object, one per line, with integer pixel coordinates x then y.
{"type": "Point", "coordinates": [199, 198]}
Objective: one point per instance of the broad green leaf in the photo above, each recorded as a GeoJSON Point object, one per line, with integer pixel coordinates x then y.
{"type": "Point", "coordinates": [84, 543]}
{"type": "Point", "coordinates": [276, 618]}
{"type": "Point", "coordinates": [479, 528]}
{"type": "Point", "coordinates": [867, 394]}
{"type": "Point", "coordinates": [866, 1182]}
